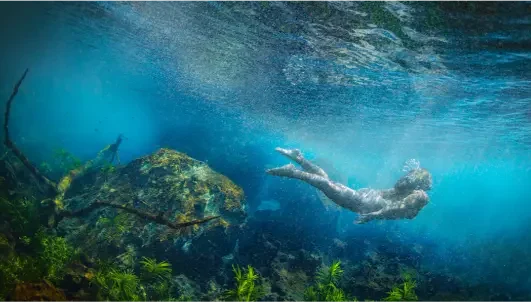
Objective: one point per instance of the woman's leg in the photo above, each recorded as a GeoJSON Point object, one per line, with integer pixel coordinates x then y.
{"type": "Point", "coordinates": [296, 156]}
{"type": "Point", "coordinates": [341, 195]}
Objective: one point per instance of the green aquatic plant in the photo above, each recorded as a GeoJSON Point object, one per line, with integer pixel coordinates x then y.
{"type": "Point", "coordinates": [108, 169]}
{"type": "Point", "coordinates": [114, 229]}
{"type": "Point", "coordinates": [65, 160]}
{"type": "Point", "coordinates": [332, 294]}
{"type": "Point", "coordinates": [246, 288]}
{"type": "Point", "coordinates": [117, 285]}
{"type": "Point", "coordinates": [326, 288]}
{"type": "Point", "coordinates": [42, 256]}
{"type": "Point", "coordinates": [22, 215]}
{"type": "Point", "coordinates": [55, 255]}
{"type": "Point", "coordinates": [156, 277]}
{"type": "Point", "coordinates": [5, 246]}
{"type": "Point", "coordinates": [160, 290]}
{"type": "Point", "coordinates": [163, 290]}
{"type": "Point", "coordinates": [128, 258]}
{"type": "Point", "coordinates": [37, 255]}
{"type": "Point", "coordinates": [45, 168]}
{"type": "Point", "coordinates": [404, 291]}
{"type": "Point", "coordinates": [330, 275]}
{"type": "Point", "coordinates": [152, 269]}
{"type": "Point", "coordinates": [60, 163]}
{"type": "Point", "coordinates": [18, 268]}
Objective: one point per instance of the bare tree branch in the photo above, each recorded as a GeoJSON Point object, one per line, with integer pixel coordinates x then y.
{"type": "Point", "coordinates": [157, 218]}
{"type": "Point", "coordinates": [9, 143]}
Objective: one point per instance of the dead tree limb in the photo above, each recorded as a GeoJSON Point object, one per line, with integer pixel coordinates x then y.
{"type": "Point", "coordinates": [157, 218]}
{"type": "Point", "coordinates": [60, 189]}
{"type": "Point", "coordinates": [9, 143]}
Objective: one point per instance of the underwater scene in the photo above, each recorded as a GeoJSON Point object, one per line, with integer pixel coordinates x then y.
{"type": "Point", "coordinates": [265, 151]}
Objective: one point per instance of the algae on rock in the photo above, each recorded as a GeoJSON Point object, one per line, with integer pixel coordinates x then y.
{"type": "Point", "coordinates": [179, 187]}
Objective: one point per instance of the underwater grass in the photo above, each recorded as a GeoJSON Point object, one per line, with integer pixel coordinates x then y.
{"type": "Point", "coordinates": [326, 287]}
{"type": "Point", "coordinates": [246, 288]}
{"type": "Point", "coordinates": [45, 257]}
{"type": "Point", "coordinates": [155, 270]}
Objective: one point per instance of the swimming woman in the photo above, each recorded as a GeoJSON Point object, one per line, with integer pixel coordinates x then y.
{"type": "Point", "coordinates": [403, 201]}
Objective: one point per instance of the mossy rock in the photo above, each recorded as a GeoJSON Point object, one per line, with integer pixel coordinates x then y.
{"type": "Point", "coordinates": [168, 182]}
{"type": "Point", "coordinates": [177, 183]}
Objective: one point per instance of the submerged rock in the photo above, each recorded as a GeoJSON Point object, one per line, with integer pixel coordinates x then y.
{"type": "Point", "coordinates": [167, 182]}
{"type": "Point", "coordinates": [43, 291]}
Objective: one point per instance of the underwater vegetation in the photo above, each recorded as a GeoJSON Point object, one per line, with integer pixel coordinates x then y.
{"type": "Point", "coordinates": [60, 164]}
{"type": "Point", "coordinates": [404, 291]}
{"type": "Point", "coordinates": [153, 283]}
{"type": "Point", "coordinates": [327, 289]}
{"type": "Point", "coordinates": [247, 285]}
{"type": "Point", "coordinates": [155, 270]}
{"type": "Point", "coordinates": [40, 257]}
{"type": "Point", "coordinates": [117, 285]}
{"type": "Point", "coordinates": [45, 260]}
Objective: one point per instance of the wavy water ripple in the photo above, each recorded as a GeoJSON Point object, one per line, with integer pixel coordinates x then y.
{"type": "Point", "coordinates": [445, 72]}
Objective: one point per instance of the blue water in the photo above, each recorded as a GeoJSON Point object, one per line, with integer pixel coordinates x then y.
{"type": "Point", "coordinates": [365, 86]}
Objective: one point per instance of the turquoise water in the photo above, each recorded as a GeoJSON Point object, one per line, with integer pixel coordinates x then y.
{"type": "Point", "coordinates": [362, 86]}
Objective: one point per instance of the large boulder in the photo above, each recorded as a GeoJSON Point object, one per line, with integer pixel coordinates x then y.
{"type": "Point", "coordinates": [166, 182]}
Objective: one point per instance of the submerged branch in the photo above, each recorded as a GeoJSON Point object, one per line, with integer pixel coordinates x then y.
{"type": "Point", "coordinates": [9, 143]}
{"type": "Point", "coordinates": [65, 182]}
{"type": "Point", "coordinates": [157, 218]}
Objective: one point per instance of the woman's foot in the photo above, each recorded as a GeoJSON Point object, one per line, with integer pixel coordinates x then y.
{"type": "Point", "coordinates": [286, 170]}
{"type": "Point", "coordinates": [296, 156]}
{"type": "Point", "coordinates": [293, 154]}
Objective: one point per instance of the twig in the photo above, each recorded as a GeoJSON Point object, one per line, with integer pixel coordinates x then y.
{"type": "Point", "coordinates": [14, 148]}
{"type": "Point", "coordinates": [157, 218]}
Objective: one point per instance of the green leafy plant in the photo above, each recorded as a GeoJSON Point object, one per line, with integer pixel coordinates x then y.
{"type": "Point", "coordinates": [119, 283]}
{"type": "Point", "coordinates": [108, 169]}
{"type": "Point", "coordinates": [330, 275]}
{"type": "Point", "coordinates": [66, 161]}
{"type": "Point", "coordinates": [22, 214]}
{"type": "Point", "coordinates": [45, 167]}
{"type": "Point", "coordinates": [42, 256]}
{"type": "Point", "coordinates": [113, 229]}
{"type": "Point", "coordinates": [15, 269]}
{"type": "Point", "coordinates": [152, 269]}
{"type": "Point", "coordinates": [116, 285]}
{"type": "Point", "coordinates": [160, 290]}
{"type": "Point", "coordinates": [158, 274]}
{"type": "Point", "coordinates": [247, 288]}
{"type": "Point", "coordinates": [25, 255]}
{"type": "Point", "coordinates": [128, 258]}
{"type": "Point", "coordinates": [404, 291]}
{"type": "Point", "coordinates": [326, 288]}
{"type": "Point", "coordinates": [56, 254]}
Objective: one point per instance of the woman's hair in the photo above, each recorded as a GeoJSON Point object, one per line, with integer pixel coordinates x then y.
{"type": "Point", "coordinates": [416, 179]}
